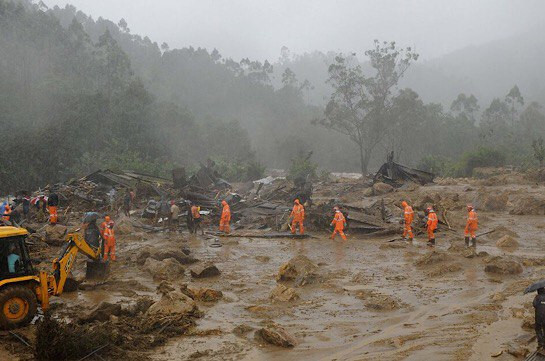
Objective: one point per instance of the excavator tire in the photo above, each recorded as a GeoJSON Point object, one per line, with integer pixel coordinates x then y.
{"type": "Point", "coordinates": [18, 306]}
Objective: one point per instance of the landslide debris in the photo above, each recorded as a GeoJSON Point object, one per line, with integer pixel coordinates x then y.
{"type": "Point", "coordinates": [299, 269]}
{"type": "Point", "coordinates": [276, 335]}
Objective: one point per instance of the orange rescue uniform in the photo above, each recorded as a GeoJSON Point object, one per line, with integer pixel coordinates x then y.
{"type": "Point", "coordinates": [195, 212]}
{"type": "Point", "coordinates": [225, 218]}
{"type": "Point", "coordinates": [339, 222]}
{"type": "Point", "coordinates": [7, 212]}
{"type": "Point", "coordinates": [408, 215]}
{"type": "Point", "coordinates": [471, 225]}
{"type": "Point", "coordinates": [109, 243]}
{"type": "Point", "coordinates": [298, 214]}
{"type": "Point", "coordinates": [432, 224]}
{"type": "Point", "coordinates": [53, 214]}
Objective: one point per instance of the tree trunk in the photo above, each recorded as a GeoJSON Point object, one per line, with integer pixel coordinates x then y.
{"type": "Point", "coordinates": [365, 156]}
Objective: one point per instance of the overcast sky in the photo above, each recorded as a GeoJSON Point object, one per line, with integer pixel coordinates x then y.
{"type": "Point", "coordinates": [259, 28]}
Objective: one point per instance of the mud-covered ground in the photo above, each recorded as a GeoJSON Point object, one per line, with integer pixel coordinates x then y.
{"type": "Point", "coordinates": [372, 299]}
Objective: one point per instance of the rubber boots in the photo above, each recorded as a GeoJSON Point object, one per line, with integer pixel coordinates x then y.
{"type": "Point", "coordinates": [431, 242]}
{"type": "Point", "coordinates": [467, 242]}
{"type": "Point", "coordinates": [474, 242]}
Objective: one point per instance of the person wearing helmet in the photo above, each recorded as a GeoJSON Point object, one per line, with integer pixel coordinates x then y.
{"type": "Point", "coordinates": [339, 222]}
{"type": "Point", "coordinates": [104, 225]}
{"type": "Point", "coordinates": [471, 227]}
{"type": "Point", "coordinates": [431, 225]}
{"type": "Point", "coordinates": [298, 216]}
{"type": "Point", "coordinates": [408, 215]}
{"type": "Point", "coordinates": [109, 242]}
{"type": "Point", "coordinates": [225, 218]}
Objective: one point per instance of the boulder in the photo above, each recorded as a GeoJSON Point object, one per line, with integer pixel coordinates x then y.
{"type": "Point", "coordinates": [55, 233]}
{"type": "Point", "coordinates": [382, 188]}
{"type": "Point", "coordinates": [172, 303]}
{"type": "Point", "coordinates": [162, 254]}
{"type": "Point", "coordinates": [502, 266]}
{"type": "Point", "coordinates": [207, 294]}
{"type": "Point", "coordinates": [282, 293]}
{"type": "Point", "coordinates": [299, 269]}
{"type": "Point", "coordinates": [167, 269]}
{"type": "Point", "coordinates": [204, 271]}
{"type": "Point", "coordinates": [507, 242]}
{"type": "Point", "coordinates": [276, 335]}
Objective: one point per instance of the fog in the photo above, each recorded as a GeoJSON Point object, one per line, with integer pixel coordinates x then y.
{"type": "Point", "coordinates": [257, 85]}
{"type": "Point", "coordinates": [259, 28]}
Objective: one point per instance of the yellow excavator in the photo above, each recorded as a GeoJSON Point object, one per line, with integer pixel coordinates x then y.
{"type": "Point", "coordinates": [21, 287]}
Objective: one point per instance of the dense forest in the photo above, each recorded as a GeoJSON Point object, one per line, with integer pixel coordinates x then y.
{"type": "Point", "coordinates": [77, 94]}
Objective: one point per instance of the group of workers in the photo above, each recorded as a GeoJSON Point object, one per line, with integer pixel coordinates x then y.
{"type": "Point", "coordinates": [432, 222]}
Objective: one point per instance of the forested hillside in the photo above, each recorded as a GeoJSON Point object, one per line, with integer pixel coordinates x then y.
{"type": "Point", "coordinates": [79, 94]}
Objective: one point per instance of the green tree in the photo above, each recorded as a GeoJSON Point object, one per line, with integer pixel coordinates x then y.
{"type": "Point", "coordinates": [466, 106]}
{"type": "Point", "coordinates": [539, 150]}
{"type": "Point", "coordinates": [515, 100]}
{"type": "Point", "coordinates": [359, 105]}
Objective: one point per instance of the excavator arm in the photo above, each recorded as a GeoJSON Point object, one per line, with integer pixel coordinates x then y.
{"type": "Point", "coordinates": [62, 265]}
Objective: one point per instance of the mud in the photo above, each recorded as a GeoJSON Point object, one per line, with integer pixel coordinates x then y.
{"type": "Point", "coordinates": [374, 300]}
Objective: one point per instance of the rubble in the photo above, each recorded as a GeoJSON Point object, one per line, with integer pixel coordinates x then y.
{"type": "Point", "coordinates": [507, 242]}
{"type": "Point", "coordinates": [299, 269]}
{"type": "Point", "coordinates": [167, 269]}
{"type": "Point", "coordinates": [55, 234]}
{"type": "Point", "coordinates": [276, 335]}
{"type": "Point", "coordinates": [204, 271]}
{"type": "Point", "coordinates": [498, 265]}
{"type": "Point", "coordinates": [395, 173]}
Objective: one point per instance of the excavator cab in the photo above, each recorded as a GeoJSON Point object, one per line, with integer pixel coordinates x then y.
{"type": "Point", "coordinates": [18, 280]}
{"type": "Point", "coordinates": [22, 287]}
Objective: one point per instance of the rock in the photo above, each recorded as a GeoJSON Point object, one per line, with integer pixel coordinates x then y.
{"type": "Point", "coordinates": [502, 266]}
{"type": "Point", "coordinates": [276, 335]}
{"type": "Point", "coordinates": [54, 234]}
{"type": "Point", "coordinates": [469, 253]}
{"type": "Point", "coordinates": [378, 301]}
{"type": "Point", "coordinates": [102, 312]}
{"type": "Point", "coordinates": [282, 293]}
{"type": "Point", "coordinates": [299, 269]}
{"type": "Point", "coordinates": [507, 242]}
{"type": "Point", "coordinates": [124, 226]}
{"type": "Point", "coordinates": [432, 257]}
{"type": "Point", "coordinates": [162, 254]}
{"type": "Point", "coordinates": [382, 188]}
{"type": "Point", "coordinates": [172, 303]}
{"type": "Point", "coordinates": [204, 271]}
{"type": "Point", "coordinates": [141, 305]}
{"type": "Point", "coordinates": [242, 330]}
{"type": "Point", "coordinates": [168, 269]}
{"type": "Point", "coordinates": [207, 295]}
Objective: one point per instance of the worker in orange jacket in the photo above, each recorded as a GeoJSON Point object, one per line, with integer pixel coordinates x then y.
{"type": "Point", "coordinates": [298, 215]}
{"type": "Point", "coordinates": [431, 225]}
{"type": "Point", "coordinates": [104, 225]}
{"type": "Point", "coordinates": [471, 227]}
{"type": "Point", "coordinates": [109, 242]}
{"type": "Point", "coordinates": [339, 222]}
{"type": "Point", "coordinates": [408, 215]}
{"type": "Point", "coordinates": [225, 218]}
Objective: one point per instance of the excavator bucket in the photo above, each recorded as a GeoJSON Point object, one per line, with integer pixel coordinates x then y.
{"type": "Point", "coordinates": [97, 270]}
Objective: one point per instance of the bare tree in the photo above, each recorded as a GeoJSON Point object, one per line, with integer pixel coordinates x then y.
{"type": "Point", "coordinates": [359, 104]}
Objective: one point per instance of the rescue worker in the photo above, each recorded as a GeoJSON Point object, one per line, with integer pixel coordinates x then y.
{"type": "Point", "coordinates": [408, 215]}
{"type": "Point", "coordinates": [195, 213]}
{"type": "Point", "coordinates": [471, 227]}
{"type": "Point", "coordinates": [104, 225]}
{"type": "Point", "coordinates": [539, 305]}
{"type": "Point", "coordinates": [109, 242]}
{"type": "Point", "coordinates": [431, 226]}
{"type": "Point", "coordinates": [339, 222]}
{"type": "Point", "coordinates": [225, 218]}
{"type": "Point", "coordinates": [52, 206]}
{"type": "Point", "coordinates": [7, 213]}
{"type": "Point", "coordinates": [298, 217]}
